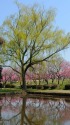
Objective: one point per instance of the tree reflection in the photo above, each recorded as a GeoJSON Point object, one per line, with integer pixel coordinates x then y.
{"type": "Point", "coordinates": [27, 111]}
{"type": "Point", "coordinates": [23, 110]}
{"type": "Point", "coordinates": [45, 112]}
{"type": "Point", "coordinates": [32, 115]}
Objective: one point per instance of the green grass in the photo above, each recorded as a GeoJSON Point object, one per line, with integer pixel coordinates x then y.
{"type": "Point", "coordinates": [64, 92]}
{"type": "Point", "coordinates": [56, 91]}
{"type": "Point", "coordinates": [11, 90]}
{"type": "Point", "coordinates": [60, 87]}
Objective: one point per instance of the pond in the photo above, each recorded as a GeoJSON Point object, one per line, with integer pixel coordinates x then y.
{"type": "Point", "coordinates": [15, 110]}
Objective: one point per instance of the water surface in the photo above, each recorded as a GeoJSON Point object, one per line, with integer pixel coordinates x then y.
{"type": "Point", "coordinates": [15, 110]}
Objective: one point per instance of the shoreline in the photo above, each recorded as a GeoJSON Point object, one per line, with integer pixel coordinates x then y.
{"type": "Point", "coordinates": [39, 93]}
{"type": "Point", "coordinates": [50, 93]}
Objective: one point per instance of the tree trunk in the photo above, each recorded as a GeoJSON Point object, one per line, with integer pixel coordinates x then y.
{"type": "Point", "coordinates": [52, 80]}
{"type": "Point", "coordinates": [23, 82]}
{"type": "Point", "coordinates": [46, 81]}
{"type": "Point", "coordinates": [23, 79]}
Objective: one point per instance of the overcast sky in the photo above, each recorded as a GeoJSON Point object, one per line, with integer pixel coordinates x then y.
{"type": "Point", "coordinates": [62, 19]}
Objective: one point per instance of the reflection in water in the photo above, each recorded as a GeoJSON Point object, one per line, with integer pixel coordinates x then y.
{"type": "Point", "coordinates": [15, 110]}
{"type": "Point", "coordinates": [67, 123]}
{"type": "Point", "coordinates": [23, 111]}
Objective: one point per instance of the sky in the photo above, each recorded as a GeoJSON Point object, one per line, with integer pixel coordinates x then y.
{"type": "Point", "coordinates": [62, 20]}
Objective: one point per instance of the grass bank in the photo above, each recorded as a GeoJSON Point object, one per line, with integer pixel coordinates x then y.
{"type": "Point", "coordinates": [49, 92]}
{"type": "Point", "coordinates": [36, 92]}
{"type": "Point", "coordinates": [10, 90]}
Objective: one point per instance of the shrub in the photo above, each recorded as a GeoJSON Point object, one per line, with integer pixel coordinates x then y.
{"type": "Point", "coordinates": [28, 86]}
{"type": "Point", "coordinates": [45, 87]}
{"type": "Point", "coordinates": [1, 85]}
{"type": "Point", "coordinates": [9, 86]}
{"type": "Point", "coordinates": [31, 86]}
{"type": "Point", "coordinates": [12, 86]}
{"type": "Point", "coordinates": [53, 86]}
{"type": "Point", "coordinates": [67, 87]}
{"type": "Point", "coordinates": [35, 86]}
{"type": "Point", "coordinates": [39, 87]}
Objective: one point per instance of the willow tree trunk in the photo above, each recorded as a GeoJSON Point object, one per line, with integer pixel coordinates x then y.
{"type": "Point", "coordinates": [23, 79]}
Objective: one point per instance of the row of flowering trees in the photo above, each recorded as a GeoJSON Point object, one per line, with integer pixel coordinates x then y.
{"type": "Point", "coordinates": [54, 70]}
{"type": "Point", "coordinates": [8, 75]}
{"type": "Point", "coordinates": [59, 70]}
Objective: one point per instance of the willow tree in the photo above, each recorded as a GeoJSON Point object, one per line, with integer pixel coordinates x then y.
{"type": "Point", "coordinates": [30, 38]}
